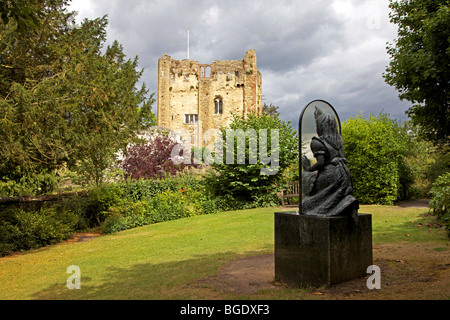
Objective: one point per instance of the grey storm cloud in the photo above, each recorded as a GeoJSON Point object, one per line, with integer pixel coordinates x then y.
{"type": "Point", "coordinates": [306, 50]}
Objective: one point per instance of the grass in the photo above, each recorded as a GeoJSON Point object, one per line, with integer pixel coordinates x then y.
{"type": "Point", "coordinates": [155, 261]}
{"type": "Point", "coordinates": [395, 224]}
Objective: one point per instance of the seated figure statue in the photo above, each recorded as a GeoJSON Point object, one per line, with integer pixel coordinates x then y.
{"type": "Point", "coordinates": [327, 185]}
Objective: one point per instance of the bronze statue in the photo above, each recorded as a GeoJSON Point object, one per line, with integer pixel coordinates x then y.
{"type": "Point", "coordinates": [327, 184]}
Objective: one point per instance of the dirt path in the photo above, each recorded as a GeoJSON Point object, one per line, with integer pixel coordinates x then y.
{"type": "Point", "coordinates": [408, 271]}
{"type": "Point", "coordinates": [83, 236]}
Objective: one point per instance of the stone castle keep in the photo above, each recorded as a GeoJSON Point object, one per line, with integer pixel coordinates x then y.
{"type": "Point", "coordinates": [194, 96]}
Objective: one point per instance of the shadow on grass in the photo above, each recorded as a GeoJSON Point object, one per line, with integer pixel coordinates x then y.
{"type": "Point", "coordinates": [423, 227]}
{"type": "Point", "coordinates": [145, 281]}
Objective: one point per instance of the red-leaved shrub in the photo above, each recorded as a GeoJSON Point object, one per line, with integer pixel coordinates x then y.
{"type": "Point", "coordinates": [152, 160]}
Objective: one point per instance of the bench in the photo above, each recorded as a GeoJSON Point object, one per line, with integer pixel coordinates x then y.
{"type": "Point", "coordinates": [291, 191]}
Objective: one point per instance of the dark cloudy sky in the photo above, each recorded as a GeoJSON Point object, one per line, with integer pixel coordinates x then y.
{"type": "Point", "coordinates": [306, 49]}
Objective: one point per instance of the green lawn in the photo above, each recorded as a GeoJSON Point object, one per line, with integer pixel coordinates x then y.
{"type": "Point", "coordinates": [151, 262]}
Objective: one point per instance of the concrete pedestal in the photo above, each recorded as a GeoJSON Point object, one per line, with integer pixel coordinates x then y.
{"type": "Point", "coordinates": [313, 251]}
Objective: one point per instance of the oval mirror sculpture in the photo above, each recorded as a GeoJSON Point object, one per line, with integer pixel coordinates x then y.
{"type": "Point", "coordinates": [325, 181]}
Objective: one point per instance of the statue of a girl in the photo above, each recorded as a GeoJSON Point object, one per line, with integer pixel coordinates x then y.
{"type": "Point", "coordinates": [327, 184]}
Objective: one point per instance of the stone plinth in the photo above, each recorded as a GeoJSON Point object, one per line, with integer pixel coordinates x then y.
{"type": "Point", "coordinates": [313, 251]}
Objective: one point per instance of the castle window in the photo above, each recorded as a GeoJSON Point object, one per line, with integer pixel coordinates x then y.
{"type": "Point", "coordinates": [190, 118]}
{"type": "Point", "coordinates": [202, 71]}
{"type": "Point", "coordinates": [218, 105]}
{"type": "Point", "coordinates": [236, 73]}
{"type": "Point", "coordinates": [205, 71]}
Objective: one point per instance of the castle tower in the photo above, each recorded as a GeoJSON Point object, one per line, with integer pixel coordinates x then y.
{"type": "Point", "coordinates": [194, 96]}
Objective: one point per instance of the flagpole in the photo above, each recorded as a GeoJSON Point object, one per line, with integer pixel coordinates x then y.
{"type": "Point", "coordinates": [188, 44]}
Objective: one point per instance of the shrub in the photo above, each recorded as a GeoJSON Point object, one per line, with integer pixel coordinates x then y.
{"type": "Point", "coordinates": [440, 199]}
{"type": "Point", "coordinates": [151, 160]}
{"type": "Point", "coordinates": [114, 223]}
{"type": "Point", "coordinates": [24, 230]}
{"type": "Point", "coordinates": [170, 205]}
{"type": "Point", "coordinates": [426, 163]}
{"type": "Point", "coordinates": [375, 148]}
{"type": "Point", "coordinates": [94, 207]}
{"type": "Point", "coordinates": [143, 189]}
{"type": "Point", "coordinates": [421, 157]}
{"type": "Point", "coordinates": [227, 202]}
{"type": "Point", "coordinates": [77, 205]}
{"type": "Point", "coordinates": [165, 206]}
{"type": "Point", "coordinates": [113, 206]}
{"type": "Point", "coordinates": [441, 162]}
{"type": "Point", "coordinates": [150, 201]}
{"type": "Point", "coordinates": [100, 200]}
{"type": "Point", "coordinates": [30, 184]}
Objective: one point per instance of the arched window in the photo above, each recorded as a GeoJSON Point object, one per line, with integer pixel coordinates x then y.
{"type": "Point", "coordinates": [205, 71]}
{"type": "Point", "coordinates": [218, 105]}
{"type": "Point", "coordinates": [202, 71]}
{"type": "Point", "coordinates": [208, 72]}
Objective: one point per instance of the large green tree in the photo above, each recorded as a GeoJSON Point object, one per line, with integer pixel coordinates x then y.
{"type": "Point", "coordinates": [64, 98]}
{"type": "Point", "coordinates": [420, 63]}
{"type": "Point", "coordinates": [256, 151]}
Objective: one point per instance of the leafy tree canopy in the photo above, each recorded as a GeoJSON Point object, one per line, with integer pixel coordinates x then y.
{"type": "Point", "coordinates": [64, 98]}
{"type": "Point", "coordinates": [271, 110]}
{"type": "Point", "coordinates": [247, 179]}
{"type": "Point", "coordinates": [26, 13]}
{"type": "Point", "coordinates": [420, 63]}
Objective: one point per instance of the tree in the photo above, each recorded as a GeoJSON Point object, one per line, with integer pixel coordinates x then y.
{"type": "Point", "coordinates": [420, 63]}
{"type": "Point", "coordinates": [375, 148]}
{"type": "Point", "coordinates": [270, 110]}
{"type": "Point", "coordinates": [64, 100]}
{"type": "Point", "coordinates": [249, 175]}
{"type": "Point", "coordinates": [25, 56]}
{"type": "Point", "coordinates": [152, 160]}
{"type": "Point", "coordinates": [26, 14]}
